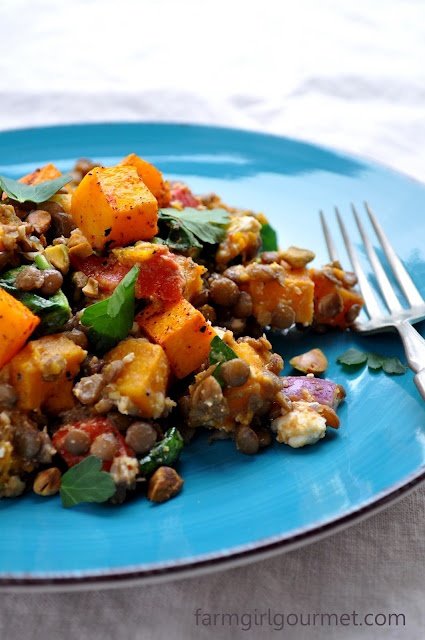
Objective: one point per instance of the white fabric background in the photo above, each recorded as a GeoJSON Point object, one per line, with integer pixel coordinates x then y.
{"type": "Point", "coordinates": [346, 73]}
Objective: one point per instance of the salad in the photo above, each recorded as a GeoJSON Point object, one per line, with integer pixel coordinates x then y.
{"type": "Point", "coordinates": [133, 314]}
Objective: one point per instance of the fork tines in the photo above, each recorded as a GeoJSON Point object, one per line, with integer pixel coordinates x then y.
{"type": "Point", "coordinates": [374, 308]}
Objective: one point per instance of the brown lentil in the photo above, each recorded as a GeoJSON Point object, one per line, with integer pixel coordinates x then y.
{"type": "Point", "coordinates": [246, 440]}
{"type": "Point", "coordinates": [352, 313]}
{"type": "Point", "coordinates": [27, 443]}
{"type": "Point", "coordinates": [53, 281]}
{"type": "Point", "coordinates": [104, 446]}
{"type": "Point", "coordinates": [141, 436]}
{"type": "Point", "coordinates": [208, 406]}
{"type": "Point", "coordinates": [164, 484]}
{"type": "Point", "coordinates": [243, 306]}
{"type": "Point", "coordinates": [283, 317]}
{"type": "Point", "coordinates": [208, 312]}
{"type": "Point", "coordinates": [235, 372]}
{"type": "Point", "coordinates": [77, 442]}
{"type": "Point", "coordinates": [29, 279]}
{"type": "Point", "coordinates": [224, 291]}
{"type": "Point", "coordinates": [275, 364]}
{"type": "Point", "coordinates": [78, 337]}
{"type": "Point", "coordinates": [330, 305]}
{"type": "Point", "coordinates": [7, 395]}
{"type": "Point", "coordinates": [264, 438]}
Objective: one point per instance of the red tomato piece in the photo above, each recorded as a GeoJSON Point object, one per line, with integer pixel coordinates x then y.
{"type": "Point", "coordinates": [93, 427]}
{"type": "Point", "coordinates": [181, 193]}
{"type": "Point", "coordinates": [159, 276]}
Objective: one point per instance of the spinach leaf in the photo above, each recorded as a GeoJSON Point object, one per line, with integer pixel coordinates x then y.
{"type": "Point", "coordinates": [111, 319]}
{"type": "Point", "coordinates": [53, 311]}
{"type": "Point", "coordinates": [165, 452]}
{"type": "Point", "coordinates": [193, 227]}
{"type": "Point", "coordinates": [86, 482]}
{"type": "Point", "coordinates": [33, 193]}
{"type": "Point", "coordinates": [220, 352]}
{"type": "Point", "coordinates": [268, 238]}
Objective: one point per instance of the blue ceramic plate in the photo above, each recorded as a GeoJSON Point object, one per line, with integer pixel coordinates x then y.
{"type": "Point", "coordinates": [234, 507]}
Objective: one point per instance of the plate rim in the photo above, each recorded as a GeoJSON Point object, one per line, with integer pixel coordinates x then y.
{"type": "Point", "coordinates": [242, 554]}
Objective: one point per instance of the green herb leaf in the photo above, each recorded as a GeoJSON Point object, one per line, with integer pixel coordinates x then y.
{"type": "Point", "coordinates": [33, 193]}
{"type": "Point", "coordinates": [220, 352]}
{"type": "Point", "coordinates": [389, 364]}
{"type": "Point", "coordinates": [165, 452]}
{"type": "Point", "coordinates": [111, 319]}
{"type": "Point", "coordinates": [86, 482]}
{"type": "Point", "coordinates": [53, 311]}
{"type": "Point", "coordinates": [374, 361]}
{"type": "Point", "coordinates": [268, 238]}
{"type": "Point", "coordinates": [352, 357]}
{"type": "Point", "coordinates": [193, 227]}
{"type": "Point", "coordinates": [393, 366]}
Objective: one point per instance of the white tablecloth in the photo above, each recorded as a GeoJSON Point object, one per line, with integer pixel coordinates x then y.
{"type": "Point", "coordinates": [349, 74]}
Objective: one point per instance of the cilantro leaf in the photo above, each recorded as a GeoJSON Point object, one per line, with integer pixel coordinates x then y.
{"type": "Point", "coordinates": [374, 361]}
{"type": "Point", "coordinates": [192, 227]}
{"type": "Point", "coordinates": [111, 319]}
{"type": "Point", "coordinates": [33, 192]}
{"type": "Point", "coordinates": [393, 366]}
{"type": "Point", "coordinates": [268, 238]}
{"type": "Point", "coordinates": [220, 352]}
{"type": "Point", "coordinates": [352, 357]}
{"type": "Point", "coordinates": [86, 482]}
{"type": "Point", "coordinates": [389, 364]}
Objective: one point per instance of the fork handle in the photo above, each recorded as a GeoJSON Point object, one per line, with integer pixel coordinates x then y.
{"type": "Point", "coordinates": [414, 347]}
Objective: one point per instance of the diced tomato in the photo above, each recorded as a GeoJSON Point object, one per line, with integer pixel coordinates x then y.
{"type": "Point", "coordinates": [93, 427]}
{"type": "Point", "coordinates": [107, 271]}
{"type": "Point", "coordinates": [181, 193]}
{"type": "Point", "coordinates": [160, 276]}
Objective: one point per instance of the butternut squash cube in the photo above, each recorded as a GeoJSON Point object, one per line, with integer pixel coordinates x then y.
{"type": "Point", "coordinates": [48, 172]}
{"type": "Point", "coordinates": [144, 380]}
{"type": "Point", "coordinates": [297, 291]}
{"type": "Point", "coordinates": [112, 205]}
{"type": "Point", "coordinates": [182, 332]}
{"type": "Point", "coordinates": [16, 325]}
{"type": "Point", "coordinates": [43, 373]}
{"type": "Point", "coordinates": [151, 176]}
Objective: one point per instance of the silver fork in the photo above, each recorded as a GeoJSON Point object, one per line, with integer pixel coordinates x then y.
{"type": "Point", "coordinates": [395, 316]}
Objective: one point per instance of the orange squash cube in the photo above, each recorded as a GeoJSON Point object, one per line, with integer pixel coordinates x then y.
{"type": "Point", "coordinates": [151, 176]}
{"type": "Point", "coordinates": [144, 380]}
{"type": "Point", "coordinates": [43, 174]}
{"type": "Point", "coordinates": [28, 370]}
{"type": "Point", "coordinates": [297, 291]}
{"type": "Point", "coordinates": [113, 205]}
{"type": "Point", "coordinates": [16, 325]}
{"type": "Point", "coordinates": [182, 332]}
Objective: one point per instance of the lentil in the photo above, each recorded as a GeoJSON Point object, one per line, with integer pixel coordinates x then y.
{"type": "Point", "coordinates": [224, 291]}
{"type": "Point", "coordinates": [104, 446]}
{"type": "Point", "coordinates": [141, 436]}
{"type": "Point", "coordinates": [53, 280]}
{"type": "Point", "coordinates": [77, 442]}
{"type": "Point", "coordinates": [235, 372]}
{"type": "Point", "coordinates": [246, 440]}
